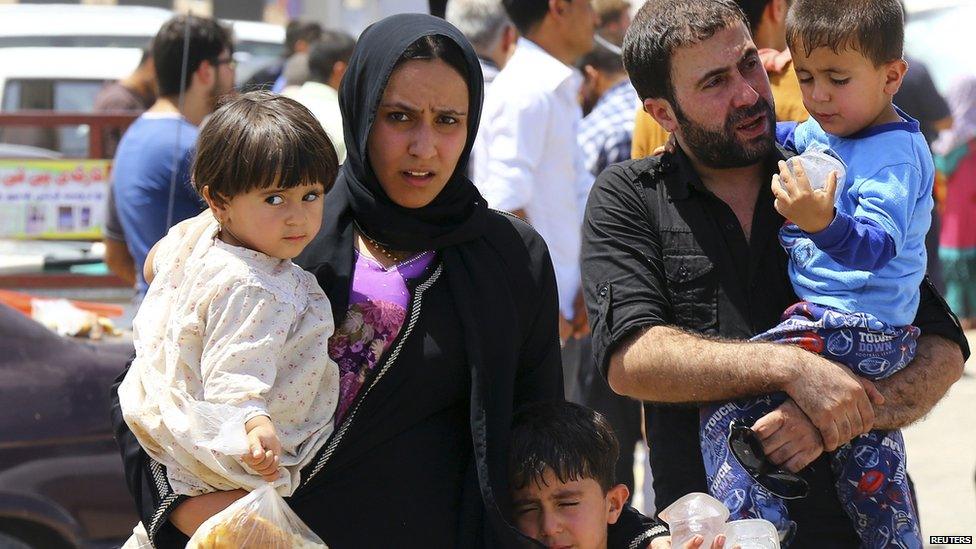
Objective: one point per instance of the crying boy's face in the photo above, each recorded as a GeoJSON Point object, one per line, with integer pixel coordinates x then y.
{"type": "Point", "coordinates": [572, 514]}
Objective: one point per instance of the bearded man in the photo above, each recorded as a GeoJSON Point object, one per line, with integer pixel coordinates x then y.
{"type": "Point", "coordinates": [681, 265]}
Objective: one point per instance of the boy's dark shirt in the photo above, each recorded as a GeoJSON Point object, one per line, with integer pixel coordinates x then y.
{"type": "Point", "coordinates": [694, 269]}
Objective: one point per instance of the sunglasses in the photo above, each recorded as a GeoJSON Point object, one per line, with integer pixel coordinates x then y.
{"type": "Point", "coordinates": [227, 61]}
{"type": "Point", "coordinates": [747, 449]}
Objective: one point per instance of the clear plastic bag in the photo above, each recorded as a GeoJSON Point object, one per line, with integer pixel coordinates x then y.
{"type": "Point", "coordinates": [751, 534]}
{"type": "Point", "coordinates": [259, 520]}
{"type": "Point", "coordinates": [695, 514]}
{"type": "Point", "coordinates": [818, 161]}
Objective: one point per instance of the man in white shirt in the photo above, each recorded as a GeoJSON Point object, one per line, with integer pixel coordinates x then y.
{"type": "Point", "coordinates": [526, 158]}
{"type": "Point", "coordinates": [327, 61]}
{"type": "Point", "coordinates": [486, 25]}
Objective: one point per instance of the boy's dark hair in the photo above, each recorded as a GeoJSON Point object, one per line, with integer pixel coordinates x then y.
{"type": "Point", "coordinates": [334, 46]}
{"type": "Point", "coordinates": [663, 26]}
{"type": "Point", "coordinates": [875, 28]}
{"type": "Point", "coordinates": [602, 59]}
{"type": "Point", "coordinates": [574, 441]}
{"type": "Point", "coordinates": [435, 46]}
{"type": "Point", "coordinates": [207, 40]}
{"type": "Point", "coordinates": [526, 14]}
{"type": "Point", "coordinates": [298, 29]}
{"type": "Point", "coordinates": [260, 140]}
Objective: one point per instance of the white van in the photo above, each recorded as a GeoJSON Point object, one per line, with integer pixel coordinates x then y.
{"type": "Point", "coordinates": [57, 57]}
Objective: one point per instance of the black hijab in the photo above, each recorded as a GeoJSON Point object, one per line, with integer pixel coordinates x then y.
{"type": "Point", "coordinates": [454, 224]}
{"type": "Point", "coordinates": [458, 213]}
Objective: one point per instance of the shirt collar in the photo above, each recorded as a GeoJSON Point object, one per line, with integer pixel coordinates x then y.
{"type": "Point", "coordinates": [545, 68]}
{"type": "Point", "coordinates": [907, 123]}
{"type": "Point", "coordinates": [320, 88]}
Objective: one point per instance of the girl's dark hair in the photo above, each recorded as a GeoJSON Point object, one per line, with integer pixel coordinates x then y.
{"type": "Point", "coordinates": [573, 441]}
{"type": "Point", "coordinates": [435, 46]}
{"type": "Point", "coordinates": [260, 140]}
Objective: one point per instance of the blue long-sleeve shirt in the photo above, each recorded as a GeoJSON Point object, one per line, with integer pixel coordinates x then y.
{"type": "Point", "coordinates": [871, 258]}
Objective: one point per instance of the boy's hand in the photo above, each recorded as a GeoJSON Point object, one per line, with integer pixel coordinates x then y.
{"type": "Point", "coordinates": [811, 210]}
{"type": "Point", "coordinates": [265, 447]}
{"type": "Point", "coordinates": [694, 543]}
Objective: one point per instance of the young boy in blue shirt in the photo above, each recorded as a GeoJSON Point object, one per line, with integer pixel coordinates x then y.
{"type": "Point", "coordinates": [857, 257]}
{"type": "Point", "coordinates": [561, 473]}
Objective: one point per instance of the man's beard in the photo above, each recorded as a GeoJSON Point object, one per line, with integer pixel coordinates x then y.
{"type": "Point", "coordinates": [721, 148]}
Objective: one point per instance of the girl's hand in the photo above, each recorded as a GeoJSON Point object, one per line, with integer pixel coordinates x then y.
{"type": "Point", "coordinates": [694, 543]}
{"type": "Point", "coordinates": [811, 210]}
{"type": "Point", "coordinates": [265, 447]}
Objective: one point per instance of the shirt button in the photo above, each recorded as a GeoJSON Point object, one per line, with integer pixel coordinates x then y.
{"type": "Point", "coordinates": [729, 226]}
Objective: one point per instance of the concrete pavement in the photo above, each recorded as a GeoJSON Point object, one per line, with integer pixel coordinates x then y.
{"type": "Point", "coordinates": [942, 460]}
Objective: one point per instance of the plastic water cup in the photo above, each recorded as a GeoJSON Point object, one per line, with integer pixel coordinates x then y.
{"type": "Point", "coordinates": [817, 163]}
{"type": "Point", "coordinates": [751, 534]}
{"type": "Point", "coordinates": [695, 514]}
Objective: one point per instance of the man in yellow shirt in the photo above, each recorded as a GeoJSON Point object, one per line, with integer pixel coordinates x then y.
{"type": "Point", "coordinates": [767, 18]}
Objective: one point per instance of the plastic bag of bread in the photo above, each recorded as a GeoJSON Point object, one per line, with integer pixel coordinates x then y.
{"type": "Point", "coordinates": [259, 520]}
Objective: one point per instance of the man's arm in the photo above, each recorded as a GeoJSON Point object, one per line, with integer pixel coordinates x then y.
{"type": "Point", "coordinates": [911, 393]}
{"type": "Point", "coordinates": [630, 314]}
{"type": "Point", "coordinates": [119, 261]}
{"type": "Point", "coordinates": [790, 439]}
{"type": "Point", "coordinates": [667, 365]}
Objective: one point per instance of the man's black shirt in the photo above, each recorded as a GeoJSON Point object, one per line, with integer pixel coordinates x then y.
{"type": "Point", "coordinates": [660, 249]}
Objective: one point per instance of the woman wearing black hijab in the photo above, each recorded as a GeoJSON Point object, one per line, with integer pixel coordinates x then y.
{"type": "Point", "coordinates": [419, 455]}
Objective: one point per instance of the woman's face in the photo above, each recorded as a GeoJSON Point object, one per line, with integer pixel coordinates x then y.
{"type": "Point", "coordinates": [420, 131]}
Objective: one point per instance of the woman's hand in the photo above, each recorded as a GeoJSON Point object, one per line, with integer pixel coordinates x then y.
{"type": "Point", "coordinates": [694, 543]}
{"type": "Point", "coordinates": [265, 447]}
{"type": "Point", "coordinates": [189, 515]}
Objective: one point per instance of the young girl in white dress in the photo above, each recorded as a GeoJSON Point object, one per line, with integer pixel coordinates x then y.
{"type": "Point", "coordinates": [229, 321]}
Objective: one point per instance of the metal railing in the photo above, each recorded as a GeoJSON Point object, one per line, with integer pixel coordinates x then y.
{"type": "Point", "coordinates": [98, 124]}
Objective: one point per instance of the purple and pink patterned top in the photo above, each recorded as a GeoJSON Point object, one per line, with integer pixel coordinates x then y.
{"type": "Point", "coordinates": [378, 304]}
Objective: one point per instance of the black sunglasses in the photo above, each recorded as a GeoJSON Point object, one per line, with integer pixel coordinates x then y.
{"type": "Point", "coordinates": [747, 449]}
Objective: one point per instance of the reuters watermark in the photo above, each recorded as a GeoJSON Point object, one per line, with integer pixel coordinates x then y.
{"type": "Point", "coordinates": [950, 540]}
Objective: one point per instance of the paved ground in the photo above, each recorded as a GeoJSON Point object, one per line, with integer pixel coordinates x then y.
{"type": "Point", "coordinates": [942, 459]}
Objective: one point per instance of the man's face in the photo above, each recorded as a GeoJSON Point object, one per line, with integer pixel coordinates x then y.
{"type": "Point", "coordinates": [579, 25]}
{"type": "Point", "coordinates": [224, 73]}
{"type": "Point", "coordinates": [567, 514]}
{"type": "Point", "coordinates": [723, 106]}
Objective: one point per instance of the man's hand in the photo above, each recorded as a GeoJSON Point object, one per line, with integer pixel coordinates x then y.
{"type": "Point", "coordinates": [811, 210]}
{"type": "Point", "coordinates": [837, 402]}
{"type": "Point", "coordinates": [789, 438]}
{"type": "Point", "coordinates": [265, 447]}
{"type": "Point", "coordinates": [695, 543]}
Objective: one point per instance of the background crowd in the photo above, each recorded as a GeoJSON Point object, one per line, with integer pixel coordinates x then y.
{"type": "Point", "coordinates": [559, 108]}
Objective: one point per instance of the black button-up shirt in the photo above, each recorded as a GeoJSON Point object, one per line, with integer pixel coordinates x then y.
{"type": "Point", "coordinates": [660, 249]}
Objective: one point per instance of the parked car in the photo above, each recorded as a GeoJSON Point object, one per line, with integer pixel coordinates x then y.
{"type": "Point", "coordinates": [61, 478]}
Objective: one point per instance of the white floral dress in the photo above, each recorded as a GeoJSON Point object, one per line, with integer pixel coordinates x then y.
{"type": "Point", "coordinates": [228, 326]}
